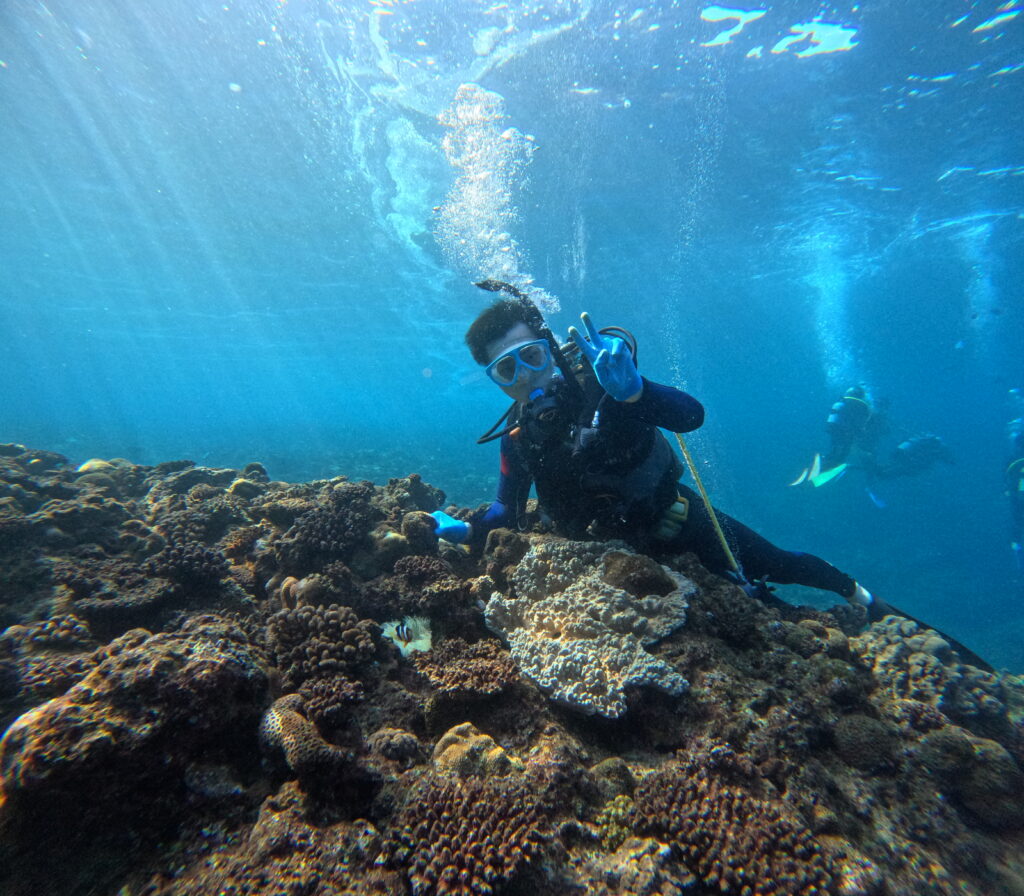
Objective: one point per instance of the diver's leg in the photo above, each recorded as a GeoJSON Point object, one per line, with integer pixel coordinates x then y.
{"type": "Point", "coordinates": [758, 557]}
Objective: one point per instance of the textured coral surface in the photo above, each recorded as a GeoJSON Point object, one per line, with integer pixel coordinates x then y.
{"type": "Point", "coordinates": [196, 699]}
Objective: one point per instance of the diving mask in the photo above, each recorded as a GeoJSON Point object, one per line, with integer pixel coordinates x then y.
{"type": "Point", "coordinates": [533, 356]}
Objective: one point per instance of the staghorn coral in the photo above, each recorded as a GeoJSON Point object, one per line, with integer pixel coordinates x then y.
{"type": "Point", "coordinates": [458, 669]}
{"type": "Point", "coordinates": [319, 642]}
{"type": "Point", "coordinates": [466, 838]}
{"type": "Point", "coordinates": [576, 628]}
{"type": "Point", "coordinates": [737, 842]}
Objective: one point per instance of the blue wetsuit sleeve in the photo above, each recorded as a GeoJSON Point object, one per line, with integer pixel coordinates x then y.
{"type": "Point", "coordinates": [514, 483]}
{"type": "Point", "coordinates": [664, 406]}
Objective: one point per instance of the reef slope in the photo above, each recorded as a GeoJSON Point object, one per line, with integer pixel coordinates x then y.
{"type": "Point", "coordinates": [215, 683]}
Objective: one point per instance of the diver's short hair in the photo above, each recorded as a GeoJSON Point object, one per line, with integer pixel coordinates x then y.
{"type": "Point", "coordinates": [494, 322]}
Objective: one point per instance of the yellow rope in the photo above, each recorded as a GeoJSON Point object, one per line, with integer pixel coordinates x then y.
{"type": "Point", "coordinates": [707, 503]}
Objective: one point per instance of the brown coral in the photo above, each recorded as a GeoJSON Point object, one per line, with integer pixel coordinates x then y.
{"type": "Point", "coordinates": [428, 584]}
{"type": "Point", "coordinates": [329, 700]}
{"type": "Point", "coordinates": [466, 837]}
{"type": "Point", "coordinates": [319, 642]}
{"type": "Point", "coordinates": [458, 669]}
{"type": "Point", "coordinates": [286, 730]}
{"type": "Point", "coordinates": [332, 530]}
{"type": "Point", "coordinates": [737, 842]}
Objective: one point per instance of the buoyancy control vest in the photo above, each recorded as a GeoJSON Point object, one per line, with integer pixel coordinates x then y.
{"type": "Point", "coordinates": [598, 473]}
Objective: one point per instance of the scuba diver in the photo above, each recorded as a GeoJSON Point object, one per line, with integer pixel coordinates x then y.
{"type": "Point", "coordinates": [584, 429]}
{"type": "Point", "coordinates": [855, 426]}
{"type": "Point", "coordinates": [914, 455]}
{"type": "Point", "coordinates": [1015, 476]}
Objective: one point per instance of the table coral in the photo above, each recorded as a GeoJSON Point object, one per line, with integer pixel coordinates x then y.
{"type": "Point", "coordinates": [579, 616]}
{"type": "Point", "coordinates": [464, 838]}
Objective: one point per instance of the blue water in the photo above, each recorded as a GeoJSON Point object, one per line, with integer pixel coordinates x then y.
{"type": "Point", "coordinates": [236, 232]}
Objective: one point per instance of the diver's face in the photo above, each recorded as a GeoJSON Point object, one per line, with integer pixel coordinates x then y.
{"type": "Point", "coordinates": [527, 379]}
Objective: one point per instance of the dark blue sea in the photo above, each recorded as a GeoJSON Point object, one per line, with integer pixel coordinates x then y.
{"type": "Point", "coordinates": [249, 231]}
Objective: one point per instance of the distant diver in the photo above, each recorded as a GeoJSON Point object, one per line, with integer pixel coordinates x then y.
{"type": "Point", "coordinates": [855, 426]}
{"type": "Point", "coordinates": [1014, 475]}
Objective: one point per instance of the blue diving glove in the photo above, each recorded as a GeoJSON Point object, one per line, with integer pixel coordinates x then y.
{"type": "Point", "coordinates": [611, 359]}
{"type": "Point", "coordinates": [449, 528]}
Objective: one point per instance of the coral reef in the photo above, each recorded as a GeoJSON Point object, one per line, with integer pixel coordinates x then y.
{"type": "Point", "coordinates": [200, 691]}
{"type": "Point", "coordinates": [580, 618]}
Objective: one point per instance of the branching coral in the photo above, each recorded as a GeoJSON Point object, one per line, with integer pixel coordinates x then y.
{"type": "Point", "coordinates": [189, 564]}
{"type": "Point", "coordinates": [466, 838]}
{"type": "Point", "coordinates": [318, 642]}
{"type": "Point", "coordinates": [458, 669]}
{"type": "Point", "coordinates": [738, 843]}
{"type": "Point", "coordinates": [332, 530]}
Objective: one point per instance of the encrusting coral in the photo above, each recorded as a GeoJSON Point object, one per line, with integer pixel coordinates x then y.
{"type": "Point", "coordinates": [580, 618]}
{"type": "Point", "coordinates": [458, 669]}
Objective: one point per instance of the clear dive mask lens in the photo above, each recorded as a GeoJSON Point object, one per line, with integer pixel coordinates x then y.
{"type": "Point", "coordinates": [535, 356]}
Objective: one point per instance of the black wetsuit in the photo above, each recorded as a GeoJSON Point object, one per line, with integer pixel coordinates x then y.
{"type": "Point", "coordinates": [603, 469]}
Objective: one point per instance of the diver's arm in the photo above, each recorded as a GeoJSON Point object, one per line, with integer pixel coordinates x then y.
{"type": "Point", "coordinates": [514, 483]}
{"type": "Point", "coordinates": [665, 406]}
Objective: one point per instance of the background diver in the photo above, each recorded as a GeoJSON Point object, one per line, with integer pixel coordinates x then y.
{"type": "Point", "coordinates": [586, 434]}
{"type": "Point", "coordinates": [855, 426]}
{"type": "Point", "coordinates": [1014, 475]}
